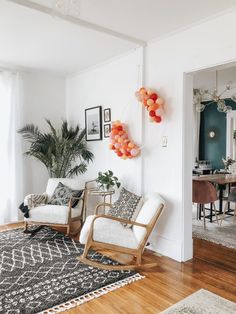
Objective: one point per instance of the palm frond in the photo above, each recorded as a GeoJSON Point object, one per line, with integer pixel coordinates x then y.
{"type": "Point", "coordinates": [79, 169]}
{"type": "Point", "coordinates": [59, 150]}
{"type": "Point", "coordinates": [30, 132]}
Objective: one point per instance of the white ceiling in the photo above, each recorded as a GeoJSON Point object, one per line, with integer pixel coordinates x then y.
{"type": "Point", "coordinates": [35, 40]}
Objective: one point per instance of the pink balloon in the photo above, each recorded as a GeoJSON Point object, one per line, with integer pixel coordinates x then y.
{"type": "Point", "coordinates": [134, 152]}
{"type": "Point", "coordinates": [117, 145]}
{"type": "Point", "coordinates": [117, 137]}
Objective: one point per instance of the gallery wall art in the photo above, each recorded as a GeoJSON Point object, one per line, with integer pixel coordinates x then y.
{"type": "Point", "coordinates": [93, 123]}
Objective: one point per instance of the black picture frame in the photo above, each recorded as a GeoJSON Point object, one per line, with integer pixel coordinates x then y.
{"type": "Point", "coordinates": [106, 130]}
{"type": "Point", "coordinates": [93, 123]}
{"type": "Point", "coordinates": [107, 115]}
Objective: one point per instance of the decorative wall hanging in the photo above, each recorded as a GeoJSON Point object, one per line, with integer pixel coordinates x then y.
{"type": "Point", "coordinates": [120, 142]}
{"type": "Point", "coordinates": [153, 103]}
{"type": "Point", "coordinates": [107, 130]}
{"type": "Point", "coordinates": [107, 115]}
{"type": "Point", "coordinates": [93, 123]}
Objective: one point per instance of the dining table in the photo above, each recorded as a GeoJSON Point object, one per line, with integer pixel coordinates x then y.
{"type": "Point", "coordinates": [223, 181]}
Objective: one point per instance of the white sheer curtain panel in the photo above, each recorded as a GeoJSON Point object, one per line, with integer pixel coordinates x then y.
{"type": "Point", "coordinates": [11, 160]}
{"type": "Point", "coordinates": [196, 134]}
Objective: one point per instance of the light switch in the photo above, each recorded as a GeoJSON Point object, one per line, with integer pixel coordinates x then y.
{"type": "Point", "coordinates": [164, 141]}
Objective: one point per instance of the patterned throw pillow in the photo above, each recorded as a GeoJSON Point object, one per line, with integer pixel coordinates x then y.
{"type": "Point", "coordinates": [127, 206]}
{"type": "Point", "coordinates": [62, 195]}
{"type": "Point", "coordinates": [34, 200]}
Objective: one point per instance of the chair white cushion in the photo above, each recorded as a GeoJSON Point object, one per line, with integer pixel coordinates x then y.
{"type": "Point", "coordinates": [55, 214]}
{"type": "Point", "coordinates": [108, 231]}
{"type": "Point", "coordinates": [74, 184]}
{"type": "Point", "coordinates": [147, 212]}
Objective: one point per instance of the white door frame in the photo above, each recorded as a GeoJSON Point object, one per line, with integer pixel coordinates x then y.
{"type": "Point", "coordinates": [187, 156]}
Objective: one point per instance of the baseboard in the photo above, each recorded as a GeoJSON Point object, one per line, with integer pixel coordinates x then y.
{"type": "Point", "coordinates": [164, 246]}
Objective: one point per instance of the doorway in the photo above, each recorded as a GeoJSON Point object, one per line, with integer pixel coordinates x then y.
{"type": "Point", "coordinates": [206, 140]}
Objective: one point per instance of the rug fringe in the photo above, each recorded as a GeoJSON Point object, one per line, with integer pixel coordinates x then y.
{"type": "Point", "coordinates": [92, 295]}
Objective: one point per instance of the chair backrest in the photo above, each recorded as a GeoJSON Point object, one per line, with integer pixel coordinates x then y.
{"type": "Point", "coordinates": [148, 215]}
{"type": "Point", "coordinates": [74, 184]}
{"type": "Point", "coordinates": [204, 192]}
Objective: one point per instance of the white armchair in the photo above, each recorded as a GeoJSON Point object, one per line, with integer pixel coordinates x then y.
{"type": "Point", "coordinates": [56, 215]}
{"type": "Point", "coordinates": [107, 232]}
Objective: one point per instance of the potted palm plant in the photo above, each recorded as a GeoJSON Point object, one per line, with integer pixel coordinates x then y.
{"type": "Point", "coordinates": [64, 152]}
{"type": "Point", "coordinates": [106, 181]}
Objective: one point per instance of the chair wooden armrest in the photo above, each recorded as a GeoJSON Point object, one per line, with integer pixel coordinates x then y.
{"type": "Point", "coordinates": [70, 204]}
{"type": "Point", "coordinates": [124, 221]}
{"type": "Point", "coordinates": [100, 205]}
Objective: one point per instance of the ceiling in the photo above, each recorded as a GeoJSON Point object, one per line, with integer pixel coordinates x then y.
{"type": "Point", "coordinates": [35, 40]}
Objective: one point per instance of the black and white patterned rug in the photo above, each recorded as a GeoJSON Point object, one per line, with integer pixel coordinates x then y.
{"type": "Point", "coordinates": [41, 272]}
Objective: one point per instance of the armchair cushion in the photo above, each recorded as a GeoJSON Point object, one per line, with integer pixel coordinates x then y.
{"type": "Point", "coordinates": [63, 194]}
{"type": "Point", "coordinates": [54, 214]}
{"type": "Point", "coordinates": [127, 206]}
{"type": "Point", "coordinates": [150, 207]}
{"type": "Point", "coordinates": [108, 231]}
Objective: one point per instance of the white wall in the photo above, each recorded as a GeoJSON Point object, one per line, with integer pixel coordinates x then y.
{"type": "Point", "coordinates": [165, 170]}
{"type": "Point", "coordinates": [167, 61]}
{"type": "Point", "coordinates": [43, 97]}
{"type": "Point", "coordinates": [111, 85]}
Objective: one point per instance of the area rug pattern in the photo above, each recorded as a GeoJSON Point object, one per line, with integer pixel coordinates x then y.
{"type": "Point", "coordinates": [224, 235]}
{"type": "Point", "coordinates": [202, 302]}
{"type": "Point", "coordinates": [41, 272]}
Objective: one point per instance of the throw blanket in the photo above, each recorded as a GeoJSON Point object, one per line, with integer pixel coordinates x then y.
{"type": "Point", "coordinates": [31, 201]}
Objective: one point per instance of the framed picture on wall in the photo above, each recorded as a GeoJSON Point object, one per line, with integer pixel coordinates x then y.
{"type": "Point", "coordinates": [107, 130]}
{"type": "Point", "coordinates": [93, 123]}
{"type": "Point", "coordinates": [107, 115]}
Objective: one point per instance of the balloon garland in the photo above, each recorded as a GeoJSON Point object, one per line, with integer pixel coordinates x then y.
{"type": "Point", "coordinates": [120, 142]}
{"type": "Point", "coordinates": [153, 103]}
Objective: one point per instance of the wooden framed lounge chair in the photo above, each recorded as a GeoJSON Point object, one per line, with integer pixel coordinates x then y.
{"type": "Point", "coordinates": [57, 215]}
{"type": "Point", "coordinates": [108, 232]}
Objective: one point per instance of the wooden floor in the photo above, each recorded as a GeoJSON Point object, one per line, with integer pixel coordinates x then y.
{"type": "Point", "coordinates": [168, 283]}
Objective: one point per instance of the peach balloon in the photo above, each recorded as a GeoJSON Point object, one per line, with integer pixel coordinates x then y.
{"type": "Point", "coordinates": [150, 91]}
{"type": "Point", "coordinates": [160, 101]}
{"type": "Point", "coordinates": [150, 102]}
{"type": "Point", "coordinates": [142, 92]}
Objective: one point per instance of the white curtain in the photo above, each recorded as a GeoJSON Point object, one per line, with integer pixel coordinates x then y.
{"type": "Point", "coordinates": [11, 187]}
{"type": "Point", "coordinates": [196, 134]}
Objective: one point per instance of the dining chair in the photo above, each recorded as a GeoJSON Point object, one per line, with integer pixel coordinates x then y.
{"type": "Point", "coordinates": [204, 193]}
{"type": "Point", "coordinates": [232, 199]}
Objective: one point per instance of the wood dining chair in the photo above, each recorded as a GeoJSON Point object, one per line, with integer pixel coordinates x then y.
{"type": "Point", "coordinates": [204, 193]}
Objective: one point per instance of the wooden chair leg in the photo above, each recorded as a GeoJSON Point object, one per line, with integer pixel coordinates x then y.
{"type": "Point", "coordinates": [26, 227]}
{"type": "Point", "coordinates": [214, 206]}
{"type": "Point", "coordinates": [68, 230]}
{"type": "Point", "coordinates": [86, 248]}
{"type": "Point", "coordinates": [223, 215]}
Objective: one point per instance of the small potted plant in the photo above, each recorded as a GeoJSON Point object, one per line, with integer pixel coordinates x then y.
{"type": "Point", "coordinates": [227, 162]}
{"type": "Point", "coordinates": [106, 180]}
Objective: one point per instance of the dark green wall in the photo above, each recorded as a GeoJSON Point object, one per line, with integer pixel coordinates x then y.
{"type": "Point", "coordinates": [213, 120]}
